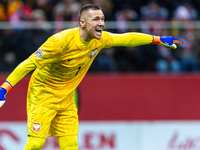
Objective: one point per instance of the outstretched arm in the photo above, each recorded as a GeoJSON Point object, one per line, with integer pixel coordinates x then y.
{"type": "Point", "coordinates": [19, 72]}
{"type": "Point", "coordinates": [136, 39]}
{"type": "Point", "coordinates": [131, 39]}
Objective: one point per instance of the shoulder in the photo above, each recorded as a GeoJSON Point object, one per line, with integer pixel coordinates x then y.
{"type": "Point", "coordinates": [106, 39]}
{"type": "Point", "coordinates": [65, 34]}
{"type": "Point", "coordinates": [63, 37]}
{"type": "Point", "coordinates": [106, 36]}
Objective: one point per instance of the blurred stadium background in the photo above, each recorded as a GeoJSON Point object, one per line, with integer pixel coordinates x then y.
{"type": "Point", "coordinates": [140, 98]}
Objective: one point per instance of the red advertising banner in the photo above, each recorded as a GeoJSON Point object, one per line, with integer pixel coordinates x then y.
{"type": "Point", "coordinates": [14, 108]}
{"type": "Point", "coordinates": [122, 97]}
{"type": "Point", "coordinates": [139, 97]}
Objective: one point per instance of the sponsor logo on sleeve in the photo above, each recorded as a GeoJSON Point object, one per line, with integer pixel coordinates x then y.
{"type": "Point", "coordinates": [39, 53]}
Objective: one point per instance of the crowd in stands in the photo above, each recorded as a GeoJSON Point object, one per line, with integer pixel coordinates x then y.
{"type": "Point", "coordinates": [17, 43]}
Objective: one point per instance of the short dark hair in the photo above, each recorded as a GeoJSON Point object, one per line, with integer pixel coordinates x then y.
{"type": "Point", "coordinates": [87, 7]}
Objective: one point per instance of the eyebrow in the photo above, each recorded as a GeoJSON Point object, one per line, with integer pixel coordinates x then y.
{"type": "Point", "coordinates": [99, 17]}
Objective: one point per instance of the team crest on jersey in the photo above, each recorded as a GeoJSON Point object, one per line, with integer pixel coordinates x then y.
{"type": "Point", "coordinates": [39, 53]}
{"type": "Point", "coordinates": [36, 126]}
{"type": "Point", "coordinates": [93, 52]}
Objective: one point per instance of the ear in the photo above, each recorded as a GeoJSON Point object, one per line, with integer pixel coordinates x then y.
{"type": "Point", "coordinates": [82, 23]}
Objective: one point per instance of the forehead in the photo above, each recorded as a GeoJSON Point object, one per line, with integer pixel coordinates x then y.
{"type": "Point", "coordinates": [94, 13]}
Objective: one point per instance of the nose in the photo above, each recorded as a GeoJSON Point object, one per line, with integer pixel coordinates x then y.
{"type": "Point", "coordinates": [101, 23]}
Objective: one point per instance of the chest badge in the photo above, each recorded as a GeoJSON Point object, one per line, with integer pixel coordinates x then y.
{"type": "Point", "coordinates": [93, 52]}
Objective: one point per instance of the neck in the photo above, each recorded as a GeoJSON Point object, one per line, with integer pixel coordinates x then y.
{"type": "Point", "coordinates": [83, 35]}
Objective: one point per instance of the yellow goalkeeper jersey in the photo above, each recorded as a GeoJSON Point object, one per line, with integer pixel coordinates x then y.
{"type": "Point", "coordinates": [63, 60]}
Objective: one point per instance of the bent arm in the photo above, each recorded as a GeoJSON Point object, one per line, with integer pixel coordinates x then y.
{"type": "Point", "coordinates": [20, 71]}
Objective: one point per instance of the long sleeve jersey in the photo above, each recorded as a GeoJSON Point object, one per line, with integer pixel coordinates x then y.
{"type": "Point", "coordinates": [61, 63]}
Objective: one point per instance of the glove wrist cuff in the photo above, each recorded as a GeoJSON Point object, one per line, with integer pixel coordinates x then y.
{"type": "Point", "coordinates": [6, 85]}
{"type": "Point", "coordinates": [156, 40]}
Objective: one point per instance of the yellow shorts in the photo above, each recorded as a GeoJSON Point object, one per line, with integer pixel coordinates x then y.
{"type": "Point", "coordinates": [42, 121]}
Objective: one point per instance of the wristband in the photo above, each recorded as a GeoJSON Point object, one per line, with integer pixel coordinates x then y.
{"type": "Point", "coordinates": [6, 85]}
{"type": "Point", "coordinates": [156, 40]}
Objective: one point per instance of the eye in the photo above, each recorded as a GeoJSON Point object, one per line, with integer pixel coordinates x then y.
{"type": "Point", "coordinates": [95, 19]}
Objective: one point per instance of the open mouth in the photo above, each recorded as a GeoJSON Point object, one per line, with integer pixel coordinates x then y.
{"type": "Point", "coordinates": [99, 31]}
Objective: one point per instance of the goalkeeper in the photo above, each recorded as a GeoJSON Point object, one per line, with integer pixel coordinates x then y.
{"type": "Point", "coordinates": [59, 66]}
